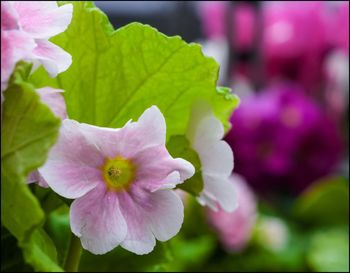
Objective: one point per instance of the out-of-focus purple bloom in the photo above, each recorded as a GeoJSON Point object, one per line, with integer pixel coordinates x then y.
{"type": "Point", "coordinates": [296, 36]}
{"type": "Point", "coordinates": [283, 140]}
{"type": "Point", "coordinates": [235, 228]}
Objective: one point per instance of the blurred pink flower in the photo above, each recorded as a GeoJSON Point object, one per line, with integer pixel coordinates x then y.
{"type": "Point", "coordinates": [296, 35]}
{"type": "Point", "coordinates": [26, 27]}
{"type": "Point", "coordinates": [120, 179]}
{"type": "Point", "coordinates": [235, 228]}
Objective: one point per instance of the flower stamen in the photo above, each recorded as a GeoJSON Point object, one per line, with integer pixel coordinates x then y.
{"type": "Point", "coordinates": [118, 173]}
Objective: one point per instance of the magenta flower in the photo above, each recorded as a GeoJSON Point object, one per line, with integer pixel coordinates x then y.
{"type": "Point", "coordinates": [120, 179]}
{"type": "Point", "coordinates": [283, 140]}
{"type": "Point", "coordinates": [26, 27]}
{"type": "Point", "coordinates": [205, 133]}
{"type": "Point", "coordinates": [235, 228]}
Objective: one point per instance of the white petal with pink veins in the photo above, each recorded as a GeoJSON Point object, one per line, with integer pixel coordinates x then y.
{"type": "Point", "coordinates": [166, 215]}
{"type": "Point", "coordinates": [97, 220]}
{"type": "Point", "coordinates": [73, 165]}
{"type": "Point", "coordinates": [139, 238]}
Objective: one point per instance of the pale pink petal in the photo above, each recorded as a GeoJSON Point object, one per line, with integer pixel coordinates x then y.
{"type": "Point", "coordinates": [150, 129]}
{"type": "Point", "coordinates": [209, 129]}
{"type": "Point", "coordinates": [43, 19]}
{"type": "Point", "coordinates": [54, 59]}
{"type": "Point", "coordinates": [15, 46]}
{"type": "Point", "coordinates": [157, 169]}
{"type": "Point", "coordinates": [159, 215]}
{"type": "Point", "coordinates": [216, 158]}
{"type": "Point", "coordinates": [73, 165]}
{"type": "Point", "coordinates": [54, 100]}
{"type": "Point", "coordinates": [165, 214]}
{"type": "Point", "coordinates": [139, 238]}
{"type": "Point", "coordinates": [34, 177]}
{"type": "Point", "coordinates": [97, 220]}
{"type": "Point", "coordinates": [203, 126]}
{"type": "Point", "coordinates": [8, 16]}
{"type": "Point", "coordinates": [222, 189]}
{"type": "Point", "coordinates": [134, 137]}
{"type": "Point", "coordinates": [235, 228]}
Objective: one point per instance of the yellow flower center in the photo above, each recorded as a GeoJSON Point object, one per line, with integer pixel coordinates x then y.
{"type": "Point", "coordinates": [118, 173]}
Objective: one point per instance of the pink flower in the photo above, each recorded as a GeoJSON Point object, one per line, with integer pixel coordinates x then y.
{"type": "Point", "coordinates": [205, 133]}
{"type": "Point", "coordinates": [235, 228]}
{"type": "Point", "coordinates": [120, 179]}
{"type": "Point", "coordinates": [26, 27]}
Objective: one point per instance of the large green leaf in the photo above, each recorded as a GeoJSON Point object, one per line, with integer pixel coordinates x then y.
{"type": "Point", "coordinates": [28, 130]}
{"type": "Point", "coordinates": [116, 75]}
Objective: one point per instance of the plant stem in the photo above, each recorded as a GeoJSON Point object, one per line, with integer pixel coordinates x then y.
{"type": "Point", "coordinates": [73, 255]}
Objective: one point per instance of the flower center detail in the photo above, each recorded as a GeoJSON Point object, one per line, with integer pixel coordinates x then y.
{"type": "Point", "coordinates": [118, 173]}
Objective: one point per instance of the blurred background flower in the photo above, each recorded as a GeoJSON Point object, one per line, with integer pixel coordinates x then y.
{"type": "Point", "coordinates": [283, 140]}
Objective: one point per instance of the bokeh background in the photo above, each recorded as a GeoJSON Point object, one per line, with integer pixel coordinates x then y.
{"type": "Point", "coordinates": [289, 64]}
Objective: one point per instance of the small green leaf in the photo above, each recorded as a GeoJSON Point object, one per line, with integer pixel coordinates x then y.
{"type": "Point", "coordinates": [329, 251]}
{"type": "Point", "coordinates": [40, 252]}
{"type": "Point", "coordinates": [179, 146]}
{"type": "Point", "coordinates": [325, 203]}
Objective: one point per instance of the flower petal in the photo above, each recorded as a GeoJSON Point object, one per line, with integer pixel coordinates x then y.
{"type": "Point", "coordinates": [15, 46]}
{"type": "Point", "coordinates": [97, 220]}
{"type": "Point", "coordinates": [134, 137]}
{"type": "Point", "coordinates": [54, 59]}
{"type": "Point", "coordinates": [216, 158]}
{"type": "Point", "coordinates": [166, 214]}
{"type": "Point", "coordinates": [54, 100]}
{"type": "Point", "coordinates": [43, 19]}
{"type": "Point", "coordinates": [72, 167]}
{"type": "Point", "coordinates": [8, 16]}
{"type": "Point", "coordinates": [209, 129]}
{"type": "Point", "coordinates": [157, 169]}
{"type": "Point", "coordinates": [34, 177]}
{"type": "Point", "coordinates": [139, 238]}
{"type": "Point", "coordinates": [203, 126]}
{"type": "Point", "coordinates": [222, 189]}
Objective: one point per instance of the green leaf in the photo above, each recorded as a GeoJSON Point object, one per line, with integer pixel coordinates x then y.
{"type": "Point", "coordinates": [40, 252]}
{"type": "Point", "coordinates": [179, 146]}
{"type": "Point", "coordinates": [188, 253]}
{"type": "Point", "coordinates": [329, 251]}
{"type": "Point", "coordinates": [324, 203]}
{"type": "Point", "coordinates": [57, 226]}
{"type": "Point", "coordinates": [116, 75]}
{"type": "Point", "coordinates": [28, 130]}
{"type": "Point", "coordinates": [11, 255]}
{"type": "Point", "coordinates": [121, 260]}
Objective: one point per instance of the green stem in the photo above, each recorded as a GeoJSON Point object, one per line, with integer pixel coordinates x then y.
{"type": "Point", "coordinates": [73, 255]}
